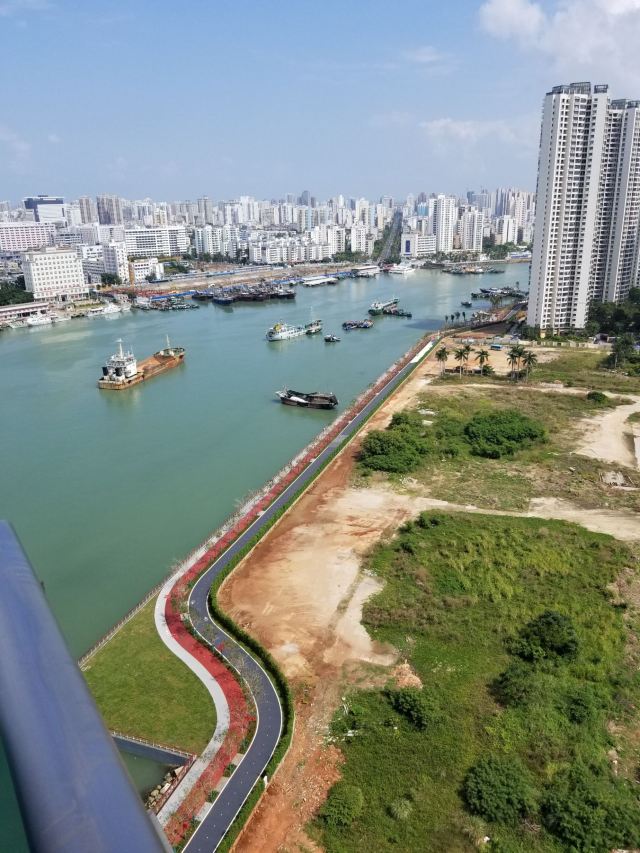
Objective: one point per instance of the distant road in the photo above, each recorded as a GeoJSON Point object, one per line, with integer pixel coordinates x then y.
{"type": "Point", "coordinates": [269, 715]}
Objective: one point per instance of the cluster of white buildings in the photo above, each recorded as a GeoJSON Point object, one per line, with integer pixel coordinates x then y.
{"type": "Point", "coordinates": [442, 224]}
{"type": "Point", "coordinates": [114, 237]}
{"type": "Point", "coordinates": [587, 240]}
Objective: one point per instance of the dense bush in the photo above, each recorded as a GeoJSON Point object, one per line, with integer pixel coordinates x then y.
{"type": "Point", "coordinates": [549, 636]}
{"type": "Point", "coordinates": [515, 685]}
{"type": "Point", "coordinates": [502, 433]}
{"type": "Point", "coordinates": [597, 397]}
{"type": "Point", "coordinates": [591, 813]}
{"type": "Point", "coordinates": [343, 805]}
{"type": "Point", "coordinates": [414, 705]}
{"type": "Point", "coordinates": [499, 789]}
{"type": "Point", "coordinates": [391, 451]}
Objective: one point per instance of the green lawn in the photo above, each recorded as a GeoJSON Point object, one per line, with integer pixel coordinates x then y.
{"type": "Point", "coordinates": [142, 689]}
{"type": "Point", "coordinates": [457, 589]}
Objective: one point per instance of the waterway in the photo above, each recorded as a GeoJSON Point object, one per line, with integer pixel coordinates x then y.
{"type": "Point", "coordinates": [106, 490]}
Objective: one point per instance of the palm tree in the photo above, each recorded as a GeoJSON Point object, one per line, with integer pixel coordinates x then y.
{"type": "Point", "coordinates": [529, 359]}
{"type": "Point", "coordinates": [461, 356]}
{"type": "Point", "coordinates": [464, 316]}
{"type": "Point", "coordinates": [495, 299]}
{"type": "Point", "coordinates": [442, 355]}
{"type": "Point", "coordinates": [482, 357]}
{"type": "Point", "coordinates": [457, 315]}
{"type": "Point", "coordinates": [513, 358]}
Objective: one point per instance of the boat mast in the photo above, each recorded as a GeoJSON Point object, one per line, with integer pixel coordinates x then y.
{"type": "Point", "coordinates": [120, 350]}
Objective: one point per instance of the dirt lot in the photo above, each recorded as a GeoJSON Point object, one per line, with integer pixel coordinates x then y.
{"type": "Point", "coordinates": [301, 593]}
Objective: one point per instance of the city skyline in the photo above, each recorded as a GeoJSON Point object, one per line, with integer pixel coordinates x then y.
{"type": "Point", "coordinates": [181, 103]}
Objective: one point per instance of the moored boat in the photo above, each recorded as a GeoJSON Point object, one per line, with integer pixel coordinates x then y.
{"type": "Point", "coordinates": [122, 369]}
{"type": "Point", "coordinates": [313, 327]}
{"type": "Point", "coordinates": [331, 339]}
{"type": "Point", "coordinates": [378, 307]}
{"type": "Point", "coordinates": [284, 332]}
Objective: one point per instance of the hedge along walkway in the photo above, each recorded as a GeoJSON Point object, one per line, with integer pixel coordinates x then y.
{"type": "Point", "coordinates": [196, 786]}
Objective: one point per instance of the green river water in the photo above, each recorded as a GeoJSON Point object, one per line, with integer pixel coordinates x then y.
{"type": "Point", "coordinates": [106, 490]}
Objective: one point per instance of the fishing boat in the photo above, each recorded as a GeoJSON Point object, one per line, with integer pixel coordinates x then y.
{"type": "Point", "coordinates": [314, 400]}
{"type": "Point", "coordinates": [284, 332]}
{"type": "Point", "coordinates": [394, 311]}
{"type": "Point", "coordinates": [467, 304]}
{"type": "Point", "coordinates": [349, 325]}
{"type": "Point", "coordinates": [331, 339]}
{"type": "Point", "coordinates": [313, 327]}
{"type": "Point", "coordinates": [378, 307]}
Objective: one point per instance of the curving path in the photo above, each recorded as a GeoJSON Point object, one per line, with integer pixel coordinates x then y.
{"type": "Point", "coordinates": [269, 717]}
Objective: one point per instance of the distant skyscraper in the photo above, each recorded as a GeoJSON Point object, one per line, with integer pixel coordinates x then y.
{"type": "Point", "coordinates": [88, 210]}
{"type": "Point", "coordinates": [109, 210]}
{"type": "Point", "coordinates": [445, 218]}
{"type": "Point", "coordinates": [586, 241]}
{"type": "Point", "coordinates": [205, 210]}
{"type": "Point", "coordinates": [45, 208]}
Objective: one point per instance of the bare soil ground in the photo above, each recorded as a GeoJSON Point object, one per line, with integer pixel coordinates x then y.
{"type": "Point", "coordinates": [301, 593]}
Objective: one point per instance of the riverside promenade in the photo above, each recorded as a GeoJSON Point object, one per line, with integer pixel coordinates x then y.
{"type": "Point", "coordinates": [203, 803]}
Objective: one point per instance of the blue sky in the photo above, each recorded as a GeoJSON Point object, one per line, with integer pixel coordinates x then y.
{"type": "Point", "coordinates": [175, 100]}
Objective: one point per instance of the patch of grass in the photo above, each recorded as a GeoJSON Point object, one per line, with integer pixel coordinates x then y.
{"type": "Point", "coordinates": [461, 594]}
{"type": "Point", "coordinates": [583, 369]}
{"type": "Point", "coordinates": [143, 689]}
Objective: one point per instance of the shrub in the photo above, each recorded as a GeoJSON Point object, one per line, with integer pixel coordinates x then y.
{"type": "Point", "coordinates": [400, 809]}
{"type": "Point", "coordinates": [549, 636]}
{"type": "Point", "coordinates": [499, 789]}
{"type": "Point", "coordinates": [389, 451]}
{"type": "Point", "coordinates": [582, 704]}
{"type": "Point", "coordinates": [515, 685]}
{"type": "Point", "coordinates": [344, 803]}
{"type": "Point", "coordinates": [591, 813]}
{"type": "Point", "coordinates": [502, 433]}
{"type": "Point", "coordinates": [414, 705]}
{"type": "Point", "coordinates": [597, 397]}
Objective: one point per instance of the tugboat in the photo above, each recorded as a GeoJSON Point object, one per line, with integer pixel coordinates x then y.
{"type": "Point", "coordinates": [122, 369]}
{"type": "Point", "coordinates": [314, 400]}
{"type": "Point", "coordinates": [331, 339]}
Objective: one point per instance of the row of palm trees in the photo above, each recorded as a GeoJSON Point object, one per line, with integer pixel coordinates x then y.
{"type": "Point", "coordinates": [518, 357]}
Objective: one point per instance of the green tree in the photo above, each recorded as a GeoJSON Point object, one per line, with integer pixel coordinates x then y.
{"type": "Point", "coordinates": [482, 357]}
{"type": "Point", "coordinates": [416, 706]}
{"type": "Point", "coordinates": [515, 685]}
{"type": "Point", "coordinates": [461, 356]}
{"type": "Point", "coordinates": [529, 360]}
{"type": "Point", "coordinates": [551, 635]}
{"type": "Point", "coordinates": [442, 354]}
{"type": "Point", "coordinates": [344, 803]}
{"type": "Point", "coordinates": [110, 279]}
{"type": "Point", "coordinates": [499, 789]}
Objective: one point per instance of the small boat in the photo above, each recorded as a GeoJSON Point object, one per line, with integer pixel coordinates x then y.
{"type": "Point", "coordinates": [467, 304]}
{"type": "Point", "coordinates": [357, 324]}
{"type": "Point", "coordinates": [314, 400]}
{"type": "Point", "coordinates": [401, 269]}
{"type": "Point", "coordinates": [313, 327]}
{"type": "Point", "coordinates": [331, 339]}
{"type": "Point", "coordinates": [39, 320]}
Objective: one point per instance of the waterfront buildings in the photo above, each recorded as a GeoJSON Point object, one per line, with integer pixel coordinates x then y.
{"type": "Point", "coordinates": [586, 243]}
{"type": "Point", "coordinates": [54, 274]}
{"type": "Point", "coordinates": [159, 240]}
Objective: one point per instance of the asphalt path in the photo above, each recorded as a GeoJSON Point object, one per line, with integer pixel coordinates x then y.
{"type": "Point", "coordinates": [269, 717]}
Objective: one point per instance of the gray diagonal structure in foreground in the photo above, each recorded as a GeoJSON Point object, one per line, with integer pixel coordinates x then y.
{"type": "Point", "coordinates": [74, 792]}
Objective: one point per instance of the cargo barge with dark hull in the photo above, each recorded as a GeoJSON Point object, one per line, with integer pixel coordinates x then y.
{"type": "Point", "coordinates": [314, 400]}
{"type": "Point", "coordinates": [123, 371]}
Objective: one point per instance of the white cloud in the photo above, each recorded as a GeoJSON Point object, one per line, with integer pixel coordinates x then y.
{"type": "Point", "coordinates": [20, 7]}
{"type": "Point", "coordinates": [578, 39]}
{"type": "Point", "coordinates": [17, 149]}
{"type": "Point", "coordinates": [53, 138]}
{"type": "Point", "coordinates": [425, 55]}
{"type": "Point", "coordinates": [475, 130]}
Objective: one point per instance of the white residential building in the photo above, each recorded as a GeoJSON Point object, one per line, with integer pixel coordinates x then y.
{"type": "Point", "coordinates": [413, 244]}
{"type": "Point", "coordinates": [54, 274]}
{"type": "Point", "coordinates": [470, 228]}
{"type": "Point", "coordinates": [141, 268]}
{"type": "Point", "coordinates": [361, 239]}
{"type": "Point", "coordinates": [115, 261]}
{"type": "Point", "coordinates": [151, 242]}
{"type": "Point", "coordinates": [20, 236]}
{"type": "Point", "coordinates": [586, 239]}
{"type": "Point", "coordinates": [445, 218]}
{"type": "Point", "coordinates": [209, 240]}
{"type": "Point", "coordinates": [506, 230]}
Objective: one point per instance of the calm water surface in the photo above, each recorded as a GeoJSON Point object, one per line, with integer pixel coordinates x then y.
{"type": "Point", "coordinates": [106, 490]}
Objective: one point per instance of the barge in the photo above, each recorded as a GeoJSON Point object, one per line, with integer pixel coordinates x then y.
{"type": "Point", "coordinates": [314, 400]}
{"type": "Point", "coordinates": [122, 369]}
